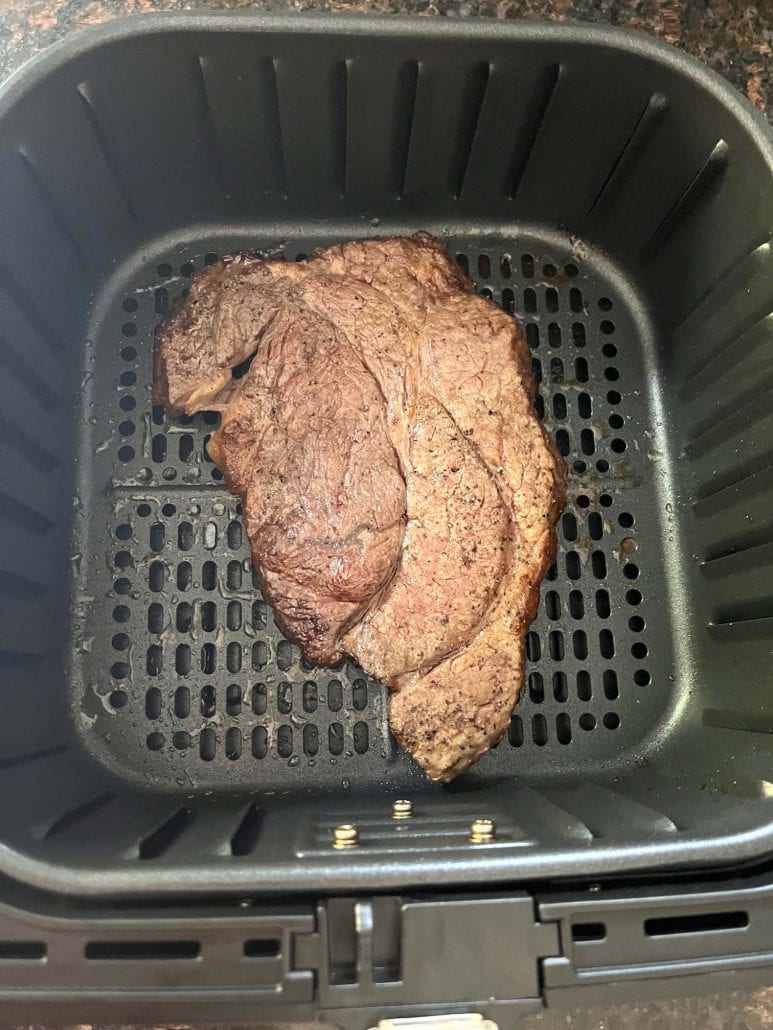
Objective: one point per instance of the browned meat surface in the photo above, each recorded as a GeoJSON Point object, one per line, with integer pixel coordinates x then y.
{"type": "Point", "coordinates": [400, 494]}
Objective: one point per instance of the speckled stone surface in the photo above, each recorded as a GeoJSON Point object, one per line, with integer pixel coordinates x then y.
{"type": "Point", "coordinates": [733, 1011]}
{"type": "Point", "coordinates": [732, 36]}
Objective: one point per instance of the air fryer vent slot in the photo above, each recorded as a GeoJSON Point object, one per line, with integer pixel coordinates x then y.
{"type": "Point", "coordinates": [139, 951]}
{"type": "Point", "coordinates": [702, 923]}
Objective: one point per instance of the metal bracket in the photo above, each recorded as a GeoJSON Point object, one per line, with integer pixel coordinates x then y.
{"type": "Point", "coordinates": [463, 1021]}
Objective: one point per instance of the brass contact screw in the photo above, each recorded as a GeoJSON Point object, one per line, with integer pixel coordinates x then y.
{"type": "Point", "coordinates": [482, 831]}
{"type": "Point", "coordinates": [402, 809]}
{"type": "Point", "coordinates": [346, 836]}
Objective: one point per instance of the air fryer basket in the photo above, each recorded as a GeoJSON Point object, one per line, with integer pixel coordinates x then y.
{"type": "Point", "coordinates": [158, 732]}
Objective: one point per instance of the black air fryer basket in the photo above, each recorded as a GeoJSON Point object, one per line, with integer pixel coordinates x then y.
{"type": "Point", "coordinates": [159, 736]}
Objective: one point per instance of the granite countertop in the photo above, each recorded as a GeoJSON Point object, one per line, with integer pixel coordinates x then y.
{"type": "Point", "coordinates": [733, 36]}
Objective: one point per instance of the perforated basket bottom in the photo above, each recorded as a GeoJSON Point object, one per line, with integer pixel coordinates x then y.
{"type": "Point", "coordinates": [181, 678]}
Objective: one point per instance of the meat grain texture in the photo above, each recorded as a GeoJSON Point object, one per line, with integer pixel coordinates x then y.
{"type": "Point", "coordinates": [400, 494]}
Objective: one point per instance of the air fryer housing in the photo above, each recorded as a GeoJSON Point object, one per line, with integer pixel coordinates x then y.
{"type": "Point", "coordinates": [159, 736]}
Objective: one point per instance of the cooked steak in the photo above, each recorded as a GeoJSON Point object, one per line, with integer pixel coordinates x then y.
{"type": "Point", "coordinates": [400, 494]}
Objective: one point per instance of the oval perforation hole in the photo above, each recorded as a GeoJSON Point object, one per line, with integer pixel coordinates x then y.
{"type": "Point", "coordinates": [259, 615]}
{"type": "Point", "coordinates": [562, 442]}
{"type": "Point", "coordinates": [259, 698]}
{"type": "Point", "coordinates": [184, 617]}
{"type": "Point", "coordinates": [335, 695]}
{"type": "Point", "coordinates": [556, 370]}
{"type": "Point", "coordinates": [158, 448]}
{"type": "Point", "coordinates": [284, 741]}
{"type": "Point", "coordinates": [580, 644]}
{"type": "Point", "coordinates": [310, 696]}
{"type": "Point", "coordinates": [563, 728]}
{"type": "Point", "coordinates": [584, 685]}
{"type": "Point", "coordinates": [360, 737]}
{"type": "Point", "coordinates": [335, 738]}
{"type": "Point", "coordinates": [208, 659]}
{"type": "Point", "coordinates": [152, 703]}
{"type": "Point", "coordinates": [157, 537]}
{"type": "Point", "coordinates": [208, 701]}
{"type": "Point", "coordinates": [259, 742]}
{"type": "Point", "coordinates": [182, 702]}
{"type": "Point", "coordinates": [556, 645]}
{"type": "Point", "coordinates": [310, 740]}
{"type": "Point", "coordinates": [560, 686]}
{"type": "Point", "coordinates": [233, 657]}
{"type": "Point", "coordinates": [536, 688]}
{"type": "Point", "coordinates": [284, 698]}
{"type": "Point", "coordinates": [259, 655]}
{"type": "Point", "coordinates": [606, 644]}
{"type": "Point", "coordinates": [515, 731]}
{"type": "Point", "coordinates": [155, 618]}
{"type": "Point", "coordinates": [233, 616]}
{"type": "Point", "coordinates": [569, 526]}
{"type": "Point", "coordinates": [539, 730]}
{"type": "Point", "coordinates": [233, 743]}
{"type": "Point", "coordinates": [533, 646]}
{"type": "Point", "coordinates": [234, 535]}
{"type": "Point", "coordinates": [359, 695]}
{"type": "Point", "coordinates": [609, 683]}
{"type": "Point", "coordinates": [209, 575]}
{"type": "Point", "coordinates": [284, 655]}
{"type": "Point", "coordinates": [182, 660]}
{"type": "Point", "coordinates": [576, 604]}
{"type": "Point", "coordinates": [552, 605]}
{"type": "Point", "coordinates": [207, 744]}
{"type": "Point", "coordinates": [185, 447]}
{"type": "Point", "coordinates": [154, 660]}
